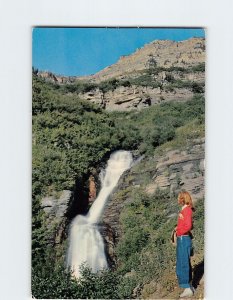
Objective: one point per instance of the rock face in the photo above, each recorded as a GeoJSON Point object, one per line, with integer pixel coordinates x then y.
{"type": "Point", "coordinates": [110, 240]}
{"type": "Point", "coordinates": [49, 76]}
{"type": "Point", "coordinates": [92, 189]}
{"type": "Point", "coordinates": [61, 209]}
{"type": "Point", "coordinates": [181, 169]}
{"type": "Point", "coordinates": [135, 97]}
{"type": "Point", "coordinates": [56, 210]}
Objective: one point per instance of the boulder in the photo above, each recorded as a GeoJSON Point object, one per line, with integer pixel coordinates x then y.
{"type": "Point", "coordinates": [56, 209]}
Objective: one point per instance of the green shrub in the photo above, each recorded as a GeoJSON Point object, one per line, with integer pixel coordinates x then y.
{"type": "Point", "coordinates": [145, 80]}
{"type": "Point", "coordinates": [195, 87]}
{"type": "Point", "coordinates": [60, 284]}
{"type": "Point", "coordinates": [198, 68]}
{"type": "Point", "coordinates": [109, 85]}
{"type": "Point", "coordinates": [78, 87]}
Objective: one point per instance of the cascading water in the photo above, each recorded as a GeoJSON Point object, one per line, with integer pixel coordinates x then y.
{"type": "Point", "coordinates": [85, 242]}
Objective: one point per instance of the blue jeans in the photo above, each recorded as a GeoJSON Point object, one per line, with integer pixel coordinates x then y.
{"type": "Point", "coordinates": [183, 266]}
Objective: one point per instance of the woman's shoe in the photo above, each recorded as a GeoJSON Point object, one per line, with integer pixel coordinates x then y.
{"type": "Point", "coordinates": [187, 293]}
{"type": "Point", "coordinates": [193, 289]}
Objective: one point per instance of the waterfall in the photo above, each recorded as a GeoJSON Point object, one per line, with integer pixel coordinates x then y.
{"type": "Point", "coordinates": [86, 244]}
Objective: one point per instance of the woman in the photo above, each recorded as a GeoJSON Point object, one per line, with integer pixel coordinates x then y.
{"type": "Point", "coordinates": [184, 244]}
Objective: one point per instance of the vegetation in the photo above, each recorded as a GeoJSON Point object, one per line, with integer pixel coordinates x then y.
{"type": "Point", "coordinates": [67, 138]}
{"type": "Point", "coordinates": [144, 78]}
{"type": "Point", "coordinates": [195, 87]}
{"type": "Point", "coordinates": [185, 136]}
{"type": "Point", "coordinates": [61, 284]}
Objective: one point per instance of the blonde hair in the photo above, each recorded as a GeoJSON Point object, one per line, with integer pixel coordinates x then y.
{"type": "Point", "coordinates": [185, 198]}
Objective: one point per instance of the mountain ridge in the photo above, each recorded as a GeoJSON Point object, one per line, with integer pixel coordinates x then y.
{"type": "Point", "coordinates": [196, 45]}
{"type": "Point", "coordinates": [162, 70]}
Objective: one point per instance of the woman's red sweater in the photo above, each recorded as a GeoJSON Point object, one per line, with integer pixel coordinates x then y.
{"type": "Point", "coordinates": [185, 223]}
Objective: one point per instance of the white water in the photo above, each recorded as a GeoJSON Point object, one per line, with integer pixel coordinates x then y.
{"type": "Point", "coordinates": [85, 242]}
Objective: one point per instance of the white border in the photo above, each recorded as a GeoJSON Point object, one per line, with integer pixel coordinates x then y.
{"type": "Point", "coordinates": [16, 21]}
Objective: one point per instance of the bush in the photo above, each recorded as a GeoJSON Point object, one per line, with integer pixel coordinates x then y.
{"type": "Point", "coordinates": [78, 87]}
{"type": "Point", "coordinates": [60, 284]}
{"type": "Point", "coordinates": [198, 68]}
{"type": "Point", "coordinates": [133, 242]}
{"type": "Point", "coordinates": [109, 85]}
{"type": "Point", "coordinates": [195, 87]}
{"type": "Point", "coordinates": [145, 80]}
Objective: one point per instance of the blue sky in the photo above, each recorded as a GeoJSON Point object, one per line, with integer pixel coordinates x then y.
{"type": "Point", "coordinates": [85, 51]}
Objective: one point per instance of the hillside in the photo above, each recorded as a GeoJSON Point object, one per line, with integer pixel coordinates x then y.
{"type": "Point", "coordinates": [152, 104]}
{"type": "Point", "coordinates": [143, 212]}
{"type": "Point", "coordinates": [158, 72]}
{"type": "Point", "coordinates": [163, 53]}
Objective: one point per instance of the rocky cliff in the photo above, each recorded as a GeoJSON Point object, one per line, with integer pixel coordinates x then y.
{"type": "Point", "coordinates": [135, 97]}
{"type": "Point", "coordinates": [56, 209]}
{"type": "Point", "coordinates": [160, 71]}
{"type": "Point", "coordinates": [181, 169]}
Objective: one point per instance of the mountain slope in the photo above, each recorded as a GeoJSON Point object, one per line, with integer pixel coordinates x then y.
{"type": "Point", "coordinates": [161, 71]}
{"type": "Point", "coordinates": [162, 53]}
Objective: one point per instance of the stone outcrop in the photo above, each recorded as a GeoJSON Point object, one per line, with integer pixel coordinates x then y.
{"type": "Point", "coordinates": [62, 207]}
{"type": "Point", "coordinates": [92, 189]}
{"type": "Point", "coordinates": [50, 77]}
{"type": "Point", "coordinates": [110, 240]}
{"type": "Point", "coordinates": [56, 210]}
{"type": "Point", "coordinates": [135, 97]}
{"type": "Point", "coordinates": [181, 169]}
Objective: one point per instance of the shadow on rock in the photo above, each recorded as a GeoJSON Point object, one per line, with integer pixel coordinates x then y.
{"type": "Point", "coordinates": [198, 272]}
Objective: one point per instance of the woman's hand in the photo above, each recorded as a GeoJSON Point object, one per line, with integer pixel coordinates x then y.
{"type": "Point", "coordinates": [173, 236]}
